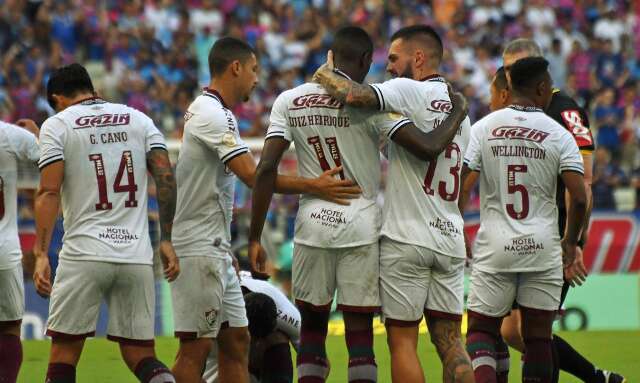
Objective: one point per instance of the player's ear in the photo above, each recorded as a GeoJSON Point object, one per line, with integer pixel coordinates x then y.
{"type": "Point", "coordinates": [236, 66]}
{"type": "Point", "coordinates": [419, 57]}
{"type": "Point", "coordinates": [366, 59]}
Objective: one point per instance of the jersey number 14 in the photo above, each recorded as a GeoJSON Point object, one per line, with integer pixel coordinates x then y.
{"type": "Point", "coordinates": [126, 166]}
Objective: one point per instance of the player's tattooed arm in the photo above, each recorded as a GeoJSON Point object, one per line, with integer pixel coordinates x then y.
{"type": "Point", "coordinates": [47, 205]}
{"type": "Point", "coordinates": [446, 337]}
{"type": "Point", "coordinates": [344, 90]}
{"type": "Point", "coordinates": [428, 146]}
{"type": "Point", "coordinates": [160, 168]}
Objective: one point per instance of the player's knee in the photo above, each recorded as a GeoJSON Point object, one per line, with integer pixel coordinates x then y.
{"type": "Point", "coordinates": [511, 334]}
{"type": "Point", "coordinates": [234, 343]}
{"type": "Point", "coordinates": [12, 328]}
{"type": "Point", "coordinates": [276, 338]}
{"type": "Point", "coordinates": [357, 321]}
{"type": "Point", "coordinates": [133, 354]}
{"type": "Point", "coordinates": [536, 324]}
{"type": "Point", "coordinates": [401, 338]}
{"type": "Point", "coordinates": [195, 349]}
{"type": "Point", "coordinates": [483, 323]}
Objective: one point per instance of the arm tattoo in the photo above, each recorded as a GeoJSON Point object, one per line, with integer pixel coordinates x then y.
{"type": "Point", "coordinates": [456, 365]}
{"type": "Point", "coordinates": [160, 167]}
{"type": "Point", "coordinates": [347, 91]}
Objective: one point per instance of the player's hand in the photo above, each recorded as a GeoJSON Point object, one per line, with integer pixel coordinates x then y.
{"type": "Point", "coordinates": [458, 100]}
{"type": "Point", "coordinates": [258, 259]}
{"type": "Point", "coordinates": [170, 263]}
{"type": "Point", "coordinates": [576, 273]}
{"type": "Point", "coordinates": [42, 275]}
{"type": "Point", "coordinates": [568, 252]}
{"type": "Point", "coordinates": [326, 67]}
{"type": "Point", "coordinates": [467, 246]}
{"type": "Point", "coordinates": [328, 188]}
{"type": "Point", "coordinates": [29, 125]}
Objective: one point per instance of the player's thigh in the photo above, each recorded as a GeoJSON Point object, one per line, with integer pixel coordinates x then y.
{"type": "Point", "coordinates": [76, 295]}
{"type": "Point", "coordinates": [11, 296]}
{"type": "Point", "coordinates": [491, 294]}
{"type": "Point", "coordinates": [131, 305]}
{"type": "Point", "coordinates": [445, 298]}
{"type": "Point", "coordinates": [234, 313]}
{"type": "Point", "coordinates": [541, 289]}
{"type": "Point", "coordinates": [314, 274]}
{"type": "Point", "coordinates": [197, 296]}
{"type": "Point", "coordinates": [404, 281]}
{"type": "Point", "coordinates": [358, 278]}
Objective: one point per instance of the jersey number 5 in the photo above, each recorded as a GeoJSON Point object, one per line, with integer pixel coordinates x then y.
{"type": "Point", "coordinates": [442, 185]}
{"type": "Point", "coordinates": [332, 143]}
{"type": "Point", "coordinates": [126, 165]}
{"type": "Point", "coordinates": [513, 187]}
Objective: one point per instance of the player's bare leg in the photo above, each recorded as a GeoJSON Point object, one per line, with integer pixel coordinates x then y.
{"type": "Point", "coordinates": [359, 339]}
{"type": "Point", "coordinates": [538, 356]}
{"type": "Point", "coordinates": [447, 337]}
{"type": "Point", "coordinates": [191, 358]}
{"type": "Point", "coordinates": [63, 359]}
{"type": "Point", "coordinates": [233, 355]}
{"type": "Point", "coordinates": [10, 351]}
{"type": "Point", "coordinates": [403, 346]}
{"type": "Point", "coordinates": [510, 330]}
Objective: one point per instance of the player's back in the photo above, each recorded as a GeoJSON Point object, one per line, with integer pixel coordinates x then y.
{"type": "Point", "coordinates": [327, 135]}
{"type": "Point", "coordinates": [421, 197]}
{"type": "Point", "coordinates": [16, 144]}
{"type": "Point", "coordinates": [519, 152]}
{"type": "Point", "coordinates": [104, 191]}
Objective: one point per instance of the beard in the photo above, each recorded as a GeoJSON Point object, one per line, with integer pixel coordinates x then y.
{"type": "Point", "coordinates": [407, 73]}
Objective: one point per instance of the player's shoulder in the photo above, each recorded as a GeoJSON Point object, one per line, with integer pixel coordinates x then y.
{"type": "Point", "coordinates": [208, 110]}
{"type": "Point", "coordinates": [309, 94]}
{"type": "Point", "coordinates": [560, 101]}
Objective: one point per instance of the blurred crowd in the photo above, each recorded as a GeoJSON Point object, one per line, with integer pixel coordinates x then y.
{"type": "Point", "coordinates": [152, 55]}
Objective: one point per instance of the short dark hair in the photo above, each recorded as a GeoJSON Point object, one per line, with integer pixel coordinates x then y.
{"type": "Point", "coordinates": [261, 313]}
{"type": "Point", "coordinates": [225, 51]}
{"type": "Point", "coordinates": [350, 43]}
{"type": "Point", "coordinates": [424, 34]}
{"type": "Point", "coordinates": [528, 72]}
{"type": "Point", "coordinates": [68, 81]}
{"type": "Point", "coordinates": [501, 79]}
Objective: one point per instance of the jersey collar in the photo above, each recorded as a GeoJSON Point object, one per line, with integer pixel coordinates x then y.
{"type": "Point", "coordinates": [89, 101]}
{"type": "Point", "coordinates": [522, 108]}
{"type": "Point", "coordinates": [341, 73]}
{"type": "Point", "coordinates": [433, 77]}
{"type": "Point", "coordinates": [214, 94]}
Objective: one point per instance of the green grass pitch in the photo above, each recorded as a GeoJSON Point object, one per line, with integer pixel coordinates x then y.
{"type": "Point", "coordinates": [101, 361]}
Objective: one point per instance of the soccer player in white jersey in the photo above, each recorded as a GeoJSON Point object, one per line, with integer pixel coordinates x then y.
{"type": "Point", "coordinates": [518, 153]}
{"type": "Point", "coordinates": [274, 325]}
{"type": "Point", "coordinates": [336, 247]}
{"type": "Point", "coordinates": [16, 144]}
{"type": "Point", "coordinates": [212, 154]}
{"type": "Point", "coordinates": [95, 156]}
{"type": "Point", "coordinates": [422, 247]}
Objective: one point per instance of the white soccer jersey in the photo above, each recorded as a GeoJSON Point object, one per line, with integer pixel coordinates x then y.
{"type": "Point", "coordinates": [327, 135]}
{"type": "Point", "coordinates": [104, 191]}
{"type": "Point", "coordinates": [288, 315]}
{"type": "Point", "coordinates": [519, 153]}
{"type": "Point", "coordinates": [421, 198]}
{"type": "Point", "coordinates": [16, 144]}
{"type": "Point", "coordinates": [202, 225]}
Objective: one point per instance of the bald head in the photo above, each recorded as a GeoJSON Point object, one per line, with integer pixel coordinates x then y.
{"type": "Point", "coordinates": [519, 49]}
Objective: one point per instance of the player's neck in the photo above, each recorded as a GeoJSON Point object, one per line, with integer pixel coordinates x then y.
{"type": "Point", "coordinates": [520, 100]}
{"type": "Point", "coordinates": [424, 73]}
{"type": "Point", "coordinates": [78, 98]}
{"type": "Point", "coordinates": [226, 91]}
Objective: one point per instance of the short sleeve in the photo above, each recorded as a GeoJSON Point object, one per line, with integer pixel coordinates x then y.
{"type": "Point", "coordinates": [396, 95]}
{"type": "Point", "coordinates": [24, 145]}
{"type": "Point", "coordinates": [278, 120]}
{"type": "Point", "coordinates": [389, 124]}
{"type": "Point", "coordinates": [473, 154]}
{"type": "Point", "coordinates": [219, 132]}
{"type": "Point", "coordinates": [154, 139]}
{"type": "Point", "coordinates": [570, 158]}
{"type": "Point", "coordinates": [52, 138]}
